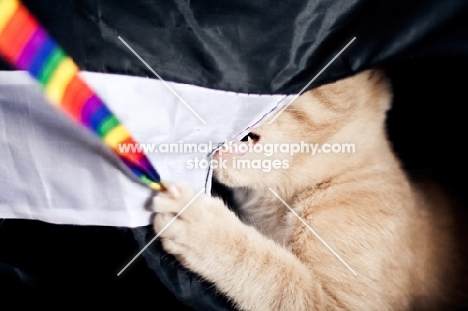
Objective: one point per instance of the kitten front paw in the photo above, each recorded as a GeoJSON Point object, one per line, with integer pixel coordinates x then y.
{"type": "Point", "coordinates": [189, 223]}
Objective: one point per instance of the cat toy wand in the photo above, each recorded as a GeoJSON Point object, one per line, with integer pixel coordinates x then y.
{"type": "Point", "coordinates": [26, 45]}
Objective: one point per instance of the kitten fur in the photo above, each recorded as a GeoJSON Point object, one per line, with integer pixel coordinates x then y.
{"type": "Point", "coordinates": [398, 241]}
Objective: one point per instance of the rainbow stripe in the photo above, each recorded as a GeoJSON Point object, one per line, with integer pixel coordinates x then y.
{"type": "Point", "coordinates": [28, 46]}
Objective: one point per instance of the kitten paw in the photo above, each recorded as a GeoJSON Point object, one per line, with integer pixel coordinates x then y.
{"type": "Point", "coordinates": [188, 222]}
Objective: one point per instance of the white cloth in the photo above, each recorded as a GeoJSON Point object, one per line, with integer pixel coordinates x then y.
{"type": "Point", "coordinates": [52, 169]}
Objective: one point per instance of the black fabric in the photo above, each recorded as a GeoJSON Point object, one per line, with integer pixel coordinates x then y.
{"type": "Point", "coordinates": [243, 46]}
{"type": "Point", "coordinates": [253, 46]}
{"type": "Point", "coordinates": [64, 267]}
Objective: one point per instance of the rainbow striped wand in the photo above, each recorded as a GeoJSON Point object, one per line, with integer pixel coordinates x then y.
{"type": "Point", "coordinates": [28, 46]}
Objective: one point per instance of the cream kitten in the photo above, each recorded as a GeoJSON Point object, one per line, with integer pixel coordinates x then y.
{"type": "Point", "coordinates": [361, 204]}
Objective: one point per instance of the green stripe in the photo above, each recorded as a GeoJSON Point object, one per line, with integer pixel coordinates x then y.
{"type": "Point", "coordinates": [107, 125]}
{"type": "Point", "coordinates": [51, 65]}
{"type": "Point", "coordinates": [146, 180]}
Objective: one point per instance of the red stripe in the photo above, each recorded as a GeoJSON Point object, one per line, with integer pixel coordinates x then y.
{"type": "Point", "coordinates": [75, 96]}
{"type": "Point", "coordinates": [17, 33]}
{"type": "Point", "coordinates": [133, 157]}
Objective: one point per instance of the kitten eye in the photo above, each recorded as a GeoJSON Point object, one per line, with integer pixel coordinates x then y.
{"type": "Point", "coordinates": [252, 136]}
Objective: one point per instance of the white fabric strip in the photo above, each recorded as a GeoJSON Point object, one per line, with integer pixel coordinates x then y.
{"type": "Point", "coordinates": [56, 171]}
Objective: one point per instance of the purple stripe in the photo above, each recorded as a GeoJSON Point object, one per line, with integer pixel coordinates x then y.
{"type": "Point", "coordinates": [29, 51]}
{"type": "Point", "coordinates": [148, 168]}
{"type": "Point", "coordinates": [91, 105]}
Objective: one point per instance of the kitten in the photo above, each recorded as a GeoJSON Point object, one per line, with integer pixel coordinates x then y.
{"type": "Point", "coordinates": [361, 204]}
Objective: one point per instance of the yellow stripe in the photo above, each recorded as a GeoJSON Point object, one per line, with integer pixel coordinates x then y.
{"type": "Point", "coordinates": [60, 79]}
{"type": "Point", "coordinates": [117, 135]}
{"type": "Point", "coordinates": [155, 186]}
{"type": "Point", "coordinates": [7, 9]}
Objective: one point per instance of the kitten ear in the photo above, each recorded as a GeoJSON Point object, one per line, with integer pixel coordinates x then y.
{"type": "Point", "coordinates": [376, 86]}
{"type": "Point", "coordinates": [378, 77]}
{"type": "Point", "coordinates": [382, 86]}
{"type": "Point", "coordinates": [371, 77]}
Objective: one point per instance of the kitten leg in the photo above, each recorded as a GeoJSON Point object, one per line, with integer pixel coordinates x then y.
{"type": "Point", "coordinates": [255, 272]}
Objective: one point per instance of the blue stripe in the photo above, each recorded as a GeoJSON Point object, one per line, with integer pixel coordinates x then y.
{"type": "Point", "coordinates": [41, 56]}
{"type": "Point", "coordinates": [98, 116]}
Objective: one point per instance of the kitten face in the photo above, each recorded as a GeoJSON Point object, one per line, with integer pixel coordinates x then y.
{"type": "Point", "coordinates": [347, 111]}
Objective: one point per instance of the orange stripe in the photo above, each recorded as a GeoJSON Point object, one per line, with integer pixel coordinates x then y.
{"type": "Point", "coordinates": [75, 96]}
{"type": "Point", "coordinates": [8, 8]}
{"type": "Point", "coordinates": [17, 33]}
